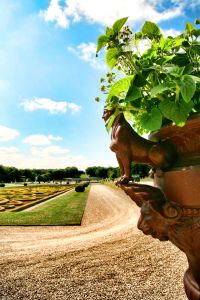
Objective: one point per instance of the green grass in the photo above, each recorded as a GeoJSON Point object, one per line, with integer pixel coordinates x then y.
{"type": "Point", "coordinates": [65, 210]}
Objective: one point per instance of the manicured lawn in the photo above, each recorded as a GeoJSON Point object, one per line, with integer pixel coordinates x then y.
{"type": "Point", "coordinates": [65, 210]}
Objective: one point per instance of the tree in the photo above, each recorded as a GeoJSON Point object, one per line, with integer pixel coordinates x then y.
{"type": "Point", "coordinates": [58, 174]}
{"type": "Point", "coordinates": [113, 173]}
{"type": "Point", "coordinates": [139, 169]}
{"type": "Point", "coordinates": [101, 172]}
{"type": "Point", "coordinates": [28, 174]}
{"type": "Point", "coordinates": [91, 171]}
{"type": "Point", "coordinates": [2, 174]}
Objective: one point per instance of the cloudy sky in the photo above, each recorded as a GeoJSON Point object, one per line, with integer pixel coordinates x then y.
{"type": "Point", "coordinates": [49, 76]}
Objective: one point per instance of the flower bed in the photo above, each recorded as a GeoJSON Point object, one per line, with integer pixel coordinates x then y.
{"type": "Point", "coordinates": [19, 198]}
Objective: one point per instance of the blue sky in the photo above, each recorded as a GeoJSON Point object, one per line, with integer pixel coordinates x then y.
{"type": "Point", "coordinates": [49, 76]}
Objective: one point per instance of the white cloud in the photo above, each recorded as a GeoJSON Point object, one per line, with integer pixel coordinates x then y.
{"type": "Point", "coordinates": [41, 139]}
{"type": "Point", "coordinates": [48, 151]}
{"type": "Point", "coordinates": [59, 157]}
{"type": "Point", "coordinates": [106, 12]}
{"type": "Point", "coordinates": [87, 52]}
{"type": "Point", "coordinates": [74, 107]}
{"type": "Point", "coordinates": [188, 3]}
{"type": "Point", "coordinates": [170, 32]}
{"type": "Point", "coordinates": [50, 157]}
{"type": "Point", "coordinates": [8, 151]}
{"type": "Point", "coordinates": [11, 156]}
{"type": "Point", "coordinates": [55, 13]}
{"type": "Point", "coordinates": [42, 157]}
{"type": "Point", "coordinates": [52, 106]}
{"type": "Point", "coordinates": [7, 133]}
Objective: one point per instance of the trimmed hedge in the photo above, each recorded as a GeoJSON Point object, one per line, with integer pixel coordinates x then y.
{"type": "Point", "coordinates": [80, 188]}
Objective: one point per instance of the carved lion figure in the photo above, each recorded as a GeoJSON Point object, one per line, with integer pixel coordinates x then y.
{"type": "Point", "coordinates": [129, 146]}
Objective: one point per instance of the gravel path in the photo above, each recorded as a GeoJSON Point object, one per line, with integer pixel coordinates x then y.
{"type": "Point", "coordinates": [105, 258]}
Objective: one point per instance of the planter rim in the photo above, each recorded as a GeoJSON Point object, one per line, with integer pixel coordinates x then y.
{"type": "Point", "coordinates": [193, 121]}
{"type": "Point", "coordinates": [183, 168]}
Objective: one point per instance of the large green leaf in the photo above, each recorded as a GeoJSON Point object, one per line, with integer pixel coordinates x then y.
{"type": "Point", "coordinates": [196, 32]}
{"type": "Point", "coordinates": [150, 29]}
{"type": "Point", "coordinates": [195, 78]}
{"type": "Point", "coordinates": [180, 59]}
{"type": "Point", "coordinates": [189, 27]}
{"type": "Point", "coordinates": [112, 103]}
{"type": "Point", "coordinates": [165, 43]}
{"type": "Point", "coordinates": [178, 41]}
{"type": "Point", "coordinates": [140, 80]}
{"type": "Point", "coordinates": [195, 48]}
{"type": "Point", "coordinates": [187, 86]}
{"type": "Point", "coordinates": [121, 86]}
{"type": "Point", "coordinates": [128, 115]}
{"type": "Point", "coordinates": [161, 88]}
{"type": "Point", "coordinates": [109, 32]}
{"type": "Point", "coordinates": [152, 120]}
{"type": "Point", "coordinates": [102, 41]}
{"type": "Point", "coordinates": [119, 24]}
{"type": "Point", "coordinates": [174, 70]}
{"type": "Point", "coordinates": [176, 111]}
{"type": "Point", "coordinates": [138, 36]}
{"type": "Point", "coordinates": [133, 93]}
{"type": "Point", "coordinates": [111, 120]}
{"type": "Point", "coordinates": [112, 56]}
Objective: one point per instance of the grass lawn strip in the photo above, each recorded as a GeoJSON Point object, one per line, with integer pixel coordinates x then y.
{"type": "Point", "coordinates": [65, 210]}
{"type": "Point", "coordinates": [40, 202]}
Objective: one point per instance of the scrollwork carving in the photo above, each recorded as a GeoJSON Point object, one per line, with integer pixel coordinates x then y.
{"type": "Point", "coordinates": [157, 214]}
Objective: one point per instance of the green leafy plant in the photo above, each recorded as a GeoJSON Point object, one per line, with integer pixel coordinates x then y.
{"type": "Point", "coordinates": [154, 79]}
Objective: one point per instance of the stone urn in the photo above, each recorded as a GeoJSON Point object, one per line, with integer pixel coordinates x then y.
{"type": "Point", "coordinates": [171, 209]}
{"type": "Point", "coordinates": [181, 187]}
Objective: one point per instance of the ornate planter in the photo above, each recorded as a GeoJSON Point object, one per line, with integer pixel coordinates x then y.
{"type": "Point", "coordinates": [181, 185]}
{"type": "Point", "coordinates": [172, 210]}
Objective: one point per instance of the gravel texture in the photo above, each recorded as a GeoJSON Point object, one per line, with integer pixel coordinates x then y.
{"type": "Point", "coordinates": [105, 258]}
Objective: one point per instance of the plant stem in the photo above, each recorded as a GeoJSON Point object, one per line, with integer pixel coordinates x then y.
{"type": "Point", "coordinates": [133, 65]}
{"type": "Point", "coordinates": [177, 93]}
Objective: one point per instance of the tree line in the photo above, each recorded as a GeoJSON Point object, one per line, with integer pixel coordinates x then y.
{"type": "Point", "coordinates": [12, 174]}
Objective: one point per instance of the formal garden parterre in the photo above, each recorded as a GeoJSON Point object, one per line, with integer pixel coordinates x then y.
{"type": "Point", "coordinates": [18, 198]}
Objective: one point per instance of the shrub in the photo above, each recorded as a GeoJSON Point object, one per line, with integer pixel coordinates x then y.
{"type": "Point", "coordinates": [80, 188]}
{"type": "Point", "coordinates": [136, 178]}
{"type": "Point", "coordinates": [2, 184]}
